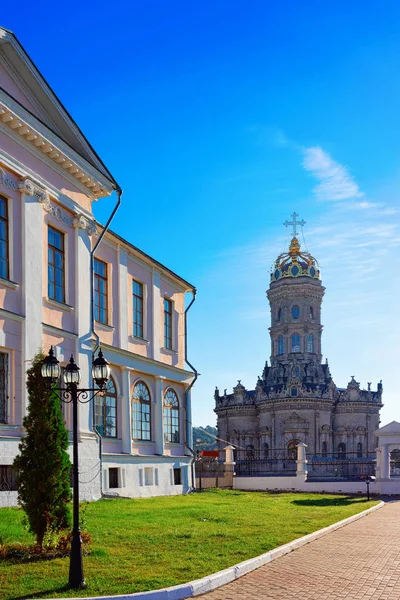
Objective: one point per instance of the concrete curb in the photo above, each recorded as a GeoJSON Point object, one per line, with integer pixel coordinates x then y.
{"type": "Point", "coordinates": [216, 580]}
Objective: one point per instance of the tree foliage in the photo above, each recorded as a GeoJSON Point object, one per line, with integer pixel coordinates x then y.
{"type": "Point", "coordinates": [43, 465]}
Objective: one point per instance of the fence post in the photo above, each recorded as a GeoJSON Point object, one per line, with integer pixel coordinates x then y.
{"type": "Point", "coordinates": [301, 470]}
{"type": "Point", "coordinates": [229, 463]}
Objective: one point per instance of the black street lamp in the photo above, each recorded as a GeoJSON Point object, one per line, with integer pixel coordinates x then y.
{"type": "Point", "coordinates": [71, 394]}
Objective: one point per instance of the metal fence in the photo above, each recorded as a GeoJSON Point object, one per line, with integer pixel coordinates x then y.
{"type": "Point", "coordinates": [334, 467]}
{"type": "Point", "coordinates": [255, 462]}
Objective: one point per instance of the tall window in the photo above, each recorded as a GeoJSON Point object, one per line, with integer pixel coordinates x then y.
{"type": "Point", "coordinates": [295, 342]}
{"type": "Point", "coordinates": [106, 411]}
{"type": "Point", "coordinates": [342, 450]}
{"type": "Point", "coordinates": [3, 387]}
{"type": "Point", "coordinates": [100, 291]}
{"type": "Point", "coordinates": [141, 412]}
{"type": "Point", "coordinates": [4, 270]}
{"type": "Point", "coordinates": [311, 312]}
{"type": "Point", "coordinates": [167, 323]}
{"type": "Point", "coordinates": [137, 297]}
{"type": "Point", "coordinates": [295, 312]}
{"type": "Point", "coordinates": [56, 265]}
{"type": "Point", "coordinates": [359, 450]}
{"type": "Point", "coordinates": [324, 449]}
{"type": "Point", "coordinates": [279, 315]}
{"type": "Point", "coordinates": [266, 450]}
{"type": "Point", "coordinates": [171, 417]}
{"type": "Point", "coordinates": [310, 343]}
{"type": "Point", "coordinates": [281, 345]}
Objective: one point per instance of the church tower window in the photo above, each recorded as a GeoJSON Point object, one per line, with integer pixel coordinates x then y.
{"type": "Point", "coordinates": [266, 450]}
{"type": "Point", "coordinates": [293, 391]}
{"type": "Point", "coordinates": [295, 312]}
{"type": "Point", "coordinates": [359, 450]}
{"type": "Point", "coordinates": [279, 315]}
{"type": "Point", "coordinates": [311, 312]}
{"type": "Point", "coordinates": [342, 450]}
{"type": "Point", "coordinates": [310, 343]}
{"type": "Point", "coordinates": [281, 345]}
{"type": "Point", "coordinates": [324, 449]}
{"type": "Point", "coordinates": [295, 342]}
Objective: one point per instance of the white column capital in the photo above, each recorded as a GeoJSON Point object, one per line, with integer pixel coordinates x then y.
{"type": "Point", "coordinates": [82, 222]}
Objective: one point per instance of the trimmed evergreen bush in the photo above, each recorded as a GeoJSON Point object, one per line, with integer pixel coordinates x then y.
{"type": "Point", "coordinates": [43, 465]}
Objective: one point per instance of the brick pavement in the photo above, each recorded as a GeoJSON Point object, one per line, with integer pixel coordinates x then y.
{"type": "Point", "coordinates": [358, 561]}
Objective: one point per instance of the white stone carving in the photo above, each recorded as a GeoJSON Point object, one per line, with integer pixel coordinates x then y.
{"type": "Point", "coordinates": [82, 222]}
{"type": "Point", "coordinates": [30, 188]}
{"type": "Point", "coordinates": [6, 181]}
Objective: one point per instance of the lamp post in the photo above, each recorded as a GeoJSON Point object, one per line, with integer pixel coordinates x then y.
{"type": "Point", "coordinates": [72, 394]}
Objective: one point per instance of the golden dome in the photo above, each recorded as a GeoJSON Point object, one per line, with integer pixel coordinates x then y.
{"type": "Point", "coordinates": [295, 263]}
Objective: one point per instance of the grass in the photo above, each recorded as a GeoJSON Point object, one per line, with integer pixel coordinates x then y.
{"type": "Point", "coordinates": [144, 544]}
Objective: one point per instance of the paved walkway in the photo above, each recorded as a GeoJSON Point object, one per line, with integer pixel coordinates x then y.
{"type": "Point", "coordinates": [358, 561]}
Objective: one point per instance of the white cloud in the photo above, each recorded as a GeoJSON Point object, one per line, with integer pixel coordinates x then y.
{"type": "Point", "coordinates": [335, 183]}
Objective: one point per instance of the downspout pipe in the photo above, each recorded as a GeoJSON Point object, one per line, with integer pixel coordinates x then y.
{"type": "Point", "coordinates": [92, 331]}
{"type": "Point", "coordinates": [189, 428]}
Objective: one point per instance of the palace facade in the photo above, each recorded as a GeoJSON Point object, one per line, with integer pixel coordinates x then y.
{"type": "Point", "coordinates": [135, 441]}
{"type": "Point", "coordinates": [296, 399]}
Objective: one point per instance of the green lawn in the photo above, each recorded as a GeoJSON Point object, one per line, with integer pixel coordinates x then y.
{"type": "Point", "coordinates": [150, 543]}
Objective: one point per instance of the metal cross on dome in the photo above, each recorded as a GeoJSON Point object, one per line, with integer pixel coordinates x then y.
{"type": "Point", "coordinates": [294, 223]}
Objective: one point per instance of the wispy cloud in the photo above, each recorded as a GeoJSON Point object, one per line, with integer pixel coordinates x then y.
{"type": "Point", "coordinates": [335, 182]}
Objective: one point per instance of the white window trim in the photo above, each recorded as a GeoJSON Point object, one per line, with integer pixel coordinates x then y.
{"type": "Point", "coordinates": [134, 338]}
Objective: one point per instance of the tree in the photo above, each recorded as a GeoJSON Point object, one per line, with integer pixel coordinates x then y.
{"type": "Point", "coordinates": [43, 465]}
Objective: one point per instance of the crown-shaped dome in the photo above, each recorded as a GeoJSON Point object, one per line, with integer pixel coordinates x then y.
{"type": "Point", "coordinates": [295, 263]}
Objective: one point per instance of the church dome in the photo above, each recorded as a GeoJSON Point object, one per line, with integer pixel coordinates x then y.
{"type": "Point", "coordinates": [295, 263]}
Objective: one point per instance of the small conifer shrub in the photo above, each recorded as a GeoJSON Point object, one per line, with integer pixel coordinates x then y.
{"type": "Point", "coordinates": [43, 465]}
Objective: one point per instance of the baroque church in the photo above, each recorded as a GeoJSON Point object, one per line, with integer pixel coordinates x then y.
{"type": "Point", "coordinates": [296, 399]}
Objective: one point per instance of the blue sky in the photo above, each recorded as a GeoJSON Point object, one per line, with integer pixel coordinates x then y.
{"type": "Point", "coordinates": [224, 117]}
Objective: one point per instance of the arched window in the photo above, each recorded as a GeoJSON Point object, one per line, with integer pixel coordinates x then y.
{"type": "Point", "coordinates": [295, 311]}
{"type": "Point", "coordinates": [281, 345]}
{"type": "Point", "coordinates": [105, 411]}
{"type": "Point", "coordinates": [342, 450]}
{"type": "Point", "coordinates": [266, 450]}
{"type": "Point", "coordinates": [141, 412]}
{"type": "Point", "coordinates": [311, 312]}
{"type": "Point", "coordinates": [359, 450]}
{"type": "Point", "coordinates": [171, 416]}
{"type": "Point", "coordinates": [250, 452]}
{"type": "Point", "coordinates": [279, 315]}
{"type": "Point", "coordinates": [295, 342]}
{"type": "Point", "coordinates": [324, 449]}
{"type": "Point", "coordinates": [310, 343]}
{"type": "Point", "coordinates": [293, 391]}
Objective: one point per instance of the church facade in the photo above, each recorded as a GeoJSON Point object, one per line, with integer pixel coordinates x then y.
{"type": "Point", "coordinates": [296, 399]}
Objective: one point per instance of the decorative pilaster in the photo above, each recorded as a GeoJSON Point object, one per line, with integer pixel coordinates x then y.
{"type": "Point", "coordinates": [156, 321]}
{"type": "Point", "coordinates": [32, 273]}
{"type": "Point", "coordinates": [158, 416]}
{"type": "Point", "coordinates": [126, 426]}
{"type": "Point", "coordinates": [81, 303]}
{"type": "Point", "coordinates": [124, 325]}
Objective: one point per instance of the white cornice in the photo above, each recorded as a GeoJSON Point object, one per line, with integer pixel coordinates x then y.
{"type": "Point", "coordinates": [21, 170]}
{"type": "Point", "coordinates": [20, 124]}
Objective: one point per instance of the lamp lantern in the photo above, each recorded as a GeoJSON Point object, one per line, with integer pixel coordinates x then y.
{"type": "Point", "coordinates": [71, 373]}
{"type": "Point", "coordinates": [101, 370]}
{"type": "Point", "coordinates": [50, 367]}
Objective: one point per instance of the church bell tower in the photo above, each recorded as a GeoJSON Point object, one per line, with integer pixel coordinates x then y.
{"type": "Point", "coordinates": [295, 295]}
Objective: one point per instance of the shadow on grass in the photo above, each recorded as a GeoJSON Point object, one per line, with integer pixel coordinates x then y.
{"type": "Point", "coordinates": [63, 588]}
{"type": "Point", "coordinates": [346, 501]}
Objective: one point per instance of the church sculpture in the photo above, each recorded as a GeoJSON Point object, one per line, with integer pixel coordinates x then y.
{"type": "Point", "coordinates": [296, 399]}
